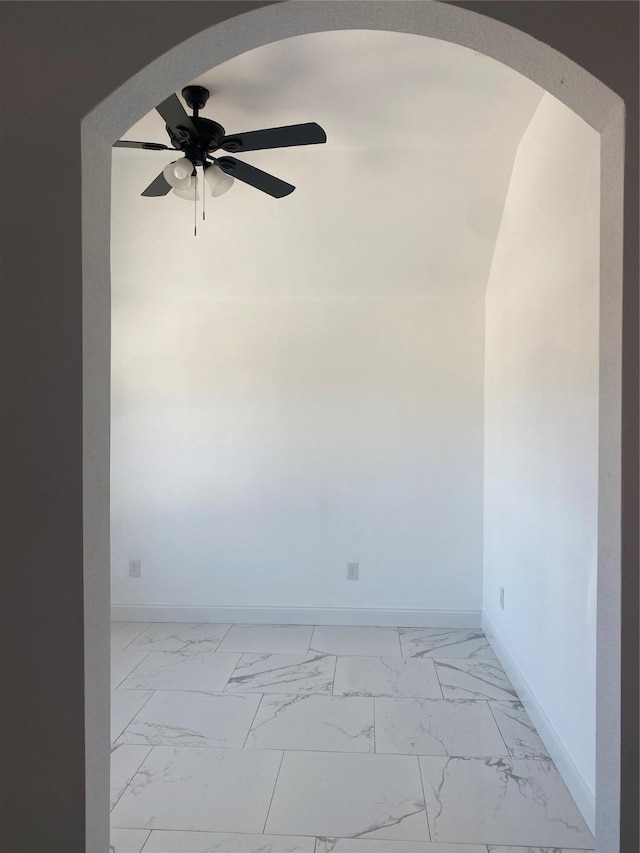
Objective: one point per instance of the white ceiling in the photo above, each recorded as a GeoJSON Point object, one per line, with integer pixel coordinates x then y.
{"type": "Point", "coordinates": [404, 199]}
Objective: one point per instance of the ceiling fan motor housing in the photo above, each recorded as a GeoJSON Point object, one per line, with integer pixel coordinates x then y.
{"type": "Point", "coordinates": [210, 135]}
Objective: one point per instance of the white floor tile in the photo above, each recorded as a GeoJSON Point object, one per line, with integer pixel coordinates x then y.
{"type": "Point", "coordinates": [122, 633]}
{"type": "Point", "coordinates": [474, 679]}
{"type": "Point", "coordinates": [437, 727]}
{"type": "Point", "coordinates": [337, 724]}
{"type": "Point", "coordinates": [500, 801]}
{"type": "Point", "coordinates": [125, 761]}
{"type": "Point", "coordinates": [347, 640]}
{"type": "Point", "coordinates": [125, 704]}
{"type": "Point", "coordinates": [375, 676]}
{"type": "Point", "coordinates": [493, 849]}
{"type": "Point", "coordinates": [174, 636]}
{"type": "Point", "coordinates": [362, 845]}
{"type": "Point", "coordinates": [283, 674]}
{"type": "Point", "coordinates": [123, 662]}
{"type": "Point", "coordinates": [193, 788]}
{"type": "Point", "coordinates": [518, 731]}
{"type": "Point", "coordinates": [198, 765]}
{"type": "Point", "coordinates": [184, 670]}
{"type": "Point", "coordinates": [127, 840]}
{"type": "Point", "coordinates": [268, 639]}
{"type": "Point", "coordinates": [218, 842]}
{"type": "Point", "coordinates": [190, 718]}
{"type": "Point", "coordinates": [444, 643]}
{"type": "Point", "coordinates": [337, 794]}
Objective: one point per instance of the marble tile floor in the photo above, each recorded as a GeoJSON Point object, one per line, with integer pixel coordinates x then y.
{"type": "Point", "coordinates": [326, 739]}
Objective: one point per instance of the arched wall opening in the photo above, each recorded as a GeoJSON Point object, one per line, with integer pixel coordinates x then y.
{"type": "Point", "coordinates": [593, 102]}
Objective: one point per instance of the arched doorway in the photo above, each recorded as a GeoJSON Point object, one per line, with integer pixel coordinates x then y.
{"type": "Point", "coordinates": [591, 100]}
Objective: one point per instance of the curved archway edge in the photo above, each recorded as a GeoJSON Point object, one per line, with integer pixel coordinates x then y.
{"type": "Point", "coordinates": [576, 88]}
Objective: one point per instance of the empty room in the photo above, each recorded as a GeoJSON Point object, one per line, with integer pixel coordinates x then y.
{"type": "Point", "coordinates": [354, 458]}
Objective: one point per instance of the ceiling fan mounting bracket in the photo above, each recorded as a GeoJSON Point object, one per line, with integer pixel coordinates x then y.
{"type": "Point", "coordinates": [196, 97]}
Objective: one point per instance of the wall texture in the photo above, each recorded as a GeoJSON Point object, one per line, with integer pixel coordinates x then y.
{"type": "Point", "coordinates": [258, 445]}
{"type": "Point", "coordinates": [541, 427]}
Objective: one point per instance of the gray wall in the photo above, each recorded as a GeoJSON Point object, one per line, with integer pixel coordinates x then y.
{"type": "Point", "coordinates": [57, 62]}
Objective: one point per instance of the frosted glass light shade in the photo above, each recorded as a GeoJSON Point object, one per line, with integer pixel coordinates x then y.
{"type": "Point", "coordinates": [178, 173]}
{"type": "Point", "coordinates": [188, 192]}
{"type": "Point", "coordinates": [219, 182]}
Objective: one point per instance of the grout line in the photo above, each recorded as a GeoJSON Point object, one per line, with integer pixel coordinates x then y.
{"type": "Point", "coordinates": [375, 751]}
{"type": "Point", "coordinates": [435, 669]}
{"type": "Point", "coordinates": [253, 720]}
{"type": "Point", "coordinates": [506, 745]}
{"type": "Point", "coordinates": [313, 631]}
{"type": "Point", "coordinates": [424, 797]}
{"type": "Point", "coordinates": [266, 820]}
{"type": "Point", "coordinates": [400, 642]}
{"type": "Point", "coordinates": [130, 778]}
{"type": "Point", "coordinates": [145, 842]}
{"type": "Point", "coordinates": [134, 667]}
{"type": "Point", "coordinates": [153, 693]}
{"type": "Point", "coordinates": [137, 636]}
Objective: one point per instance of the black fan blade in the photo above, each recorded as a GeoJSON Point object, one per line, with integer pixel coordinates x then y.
{"type": "Point", "coordinates": [151, 146]}
{"type": "Point", "coordinates": [255, 177]}
{"type": "Point", "coordinates": [159, 186]}
{"type": "Point", "coordinates": [275, 137]}
{"type": "Point", "coordinates": [176, 118]}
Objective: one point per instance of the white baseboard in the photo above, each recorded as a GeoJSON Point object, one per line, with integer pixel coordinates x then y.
{"type": "Point", "coordinates": [297, 615]}
{"type": "Point", "coordinates": [579, 788]}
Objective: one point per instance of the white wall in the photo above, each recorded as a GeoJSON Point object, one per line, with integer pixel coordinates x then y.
{"type": "Point", "coordinates": [541, 433]}
{"type": "Point", "coordinates": [301, 385]}
{"type": "Point", "coordinates": [259, 444]}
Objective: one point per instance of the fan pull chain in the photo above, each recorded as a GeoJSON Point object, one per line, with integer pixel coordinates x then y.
{"type": "Point", "coordinates": [204, 192]}
{"type": "Point", "coordinates": [195, 204]}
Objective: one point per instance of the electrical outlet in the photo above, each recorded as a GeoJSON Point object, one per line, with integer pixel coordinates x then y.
{"type": "Point", "coordinates": [352, 571]}
{"type": "Point", "coordinates": [134, 568]}
{"type": "Point", "coordinates": [502, 597]}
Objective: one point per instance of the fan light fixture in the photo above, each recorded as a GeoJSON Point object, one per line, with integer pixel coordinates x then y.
{"type": "Point", "coordinates": [187, 190]}
{"type": "Point", "coordinates": [219, 182]}
{"type": "Point", "coordinates": [178, 174]}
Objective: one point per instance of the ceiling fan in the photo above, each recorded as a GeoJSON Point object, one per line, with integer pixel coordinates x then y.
{"type": "Point", "coordinates": [198, 137]}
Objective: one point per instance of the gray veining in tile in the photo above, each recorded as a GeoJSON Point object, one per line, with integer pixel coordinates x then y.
{"type": "Point", "coordinates": [216, 797]}
{"type": "Point", "coordinates": [365, 845]}
{"type": "Point", "coordinates": [194, 788]}
{"type": "Point", "coordinates": [175, 636]}
{"type": "Point", "coordinates": [500, 801]}
{"type": "Point", "coordinates": [337, 724]}
{"type": "Point", "coordinates": [127, 840]}
{"type": "Point", "coordinates": [125, 704]}
{"type": "Point", "coordinates": [347, 795]}
{"type": "Point", "coordinates": [122, 633]}
{"type": "Point", "coordinates": [225, 842]}
{"type": "Point", "coordinates": [283, 674]}
{"type": "Point", "coordinates": [124, 764]}
{"type": "Point", "coordinates": [444, 643]}
{"type": "Point", "coordinates": [268, 639]}
{"type": "Point", "coordinates": [474, 679]}
{"type": "Point", "coordinates": [356, 640]}
{"type": "Point", "coordinates": [190, 718]}
{"type": "Point", "coordinates": [396, 677]}
{"type": "Point", "coordinates": [437, 727]}
{"type": "Point", "coordinates": [184, 670]}
{"type": "Point", "coordinates": [518, 731]}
